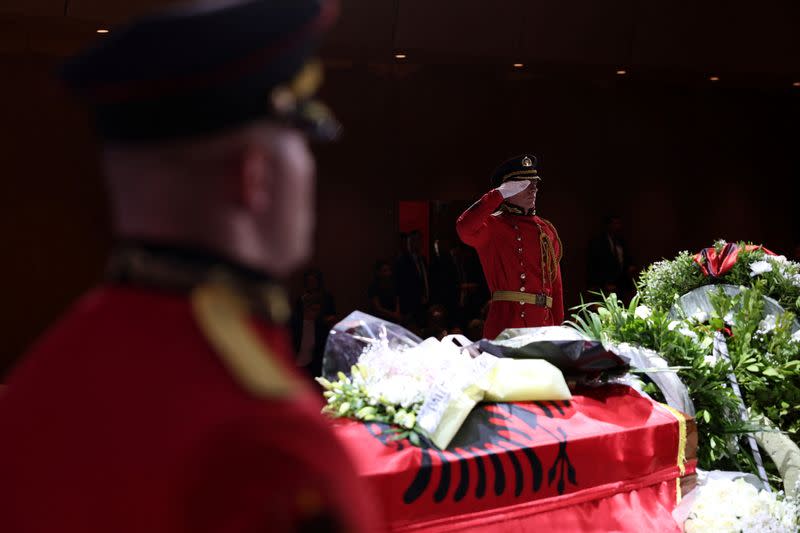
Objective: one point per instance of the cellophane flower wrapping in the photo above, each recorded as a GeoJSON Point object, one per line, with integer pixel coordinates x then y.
{"type": "Point", "coordinates": [358, 333]}
{"type": "Point", "coordinates": [378, 371]}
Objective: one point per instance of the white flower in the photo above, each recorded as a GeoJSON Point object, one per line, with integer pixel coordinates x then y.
{"type": "Point", "coordinates": [723, 505]}
{"type": "Point", "coordinates": [700, 317]}
{"type": "Point", "coordinates": [710, 359]}
{"type": "Point", "coordinates": [728, 318]}
{"type": "Point", "coordinates": [403, 377]}
{"type": "Point", "coordinates": [759, 267]}
{"type": "Point", "coordinates": [405, 419]}
{"type": "Point", "coordinates": [398, 390]}
{"type": "Point", "coordinates": [682, 328]}
{"type": "Point", "coordinates": [767, 325]}
{"type": "Point", "coordinates": [795, 279]}
{"type": "Point", "coordinates": [643, 312]}
{"type": "Point", "coordinates": [783, 265]}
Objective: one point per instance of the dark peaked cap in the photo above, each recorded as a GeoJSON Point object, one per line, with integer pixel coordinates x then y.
{"type": "Point", "coordinates": [205, 67]}
{"type": "Point", "coordinates": [521, 167]}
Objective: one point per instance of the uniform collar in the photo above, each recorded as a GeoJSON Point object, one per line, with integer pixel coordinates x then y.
{"type": "Point", "coordinates": [182, 269]}
{"type": "Point", "coordinates": [516, 210]}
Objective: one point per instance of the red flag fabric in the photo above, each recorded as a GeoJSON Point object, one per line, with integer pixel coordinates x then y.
{"type": "Point", "coordinates": [609, 460]}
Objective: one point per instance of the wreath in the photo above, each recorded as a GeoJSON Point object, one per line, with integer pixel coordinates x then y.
{"type": "Point", "coordinates": [725, 320]}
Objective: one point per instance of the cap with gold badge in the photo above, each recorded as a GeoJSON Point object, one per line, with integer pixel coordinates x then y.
{"type": "Point", "coordinates": [521, 167]}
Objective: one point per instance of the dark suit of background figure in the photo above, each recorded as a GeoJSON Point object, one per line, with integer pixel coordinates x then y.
{"type": "Point", "coordinates": [473, 292]}
{"type": "Point", "coordinates": [315, 310]}
{"type": "Point", "coordinates": [382, 293]}
{"type": "Point", "coordinates": [413, 280]}
{"type": "Point", "coordinates": [609, 264]}
{"type": "Point", "coordinates": [313, 316]}
{"type": "Point", "coordinates": [444, 281]}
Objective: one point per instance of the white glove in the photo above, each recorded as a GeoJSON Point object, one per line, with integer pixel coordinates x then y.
{"type": "Point", "coordinates": [511, 188]}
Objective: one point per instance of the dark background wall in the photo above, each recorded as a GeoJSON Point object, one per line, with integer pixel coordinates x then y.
{"type": "Point", "coordinates": [682, 164]}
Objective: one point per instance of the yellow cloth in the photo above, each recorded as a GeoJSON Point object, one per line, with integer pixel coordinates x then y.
{"type": "Point", "coordinates": [459, 407]}
{"type": "Point", "coordinates": [520, 380]}
{"type": "Point", "coordinates": [494, 380]}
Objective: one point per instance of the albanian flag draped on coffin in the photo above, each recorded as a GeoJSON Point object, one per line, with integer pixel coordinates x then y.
{"type": "Point", "coordinates": [609, 459]}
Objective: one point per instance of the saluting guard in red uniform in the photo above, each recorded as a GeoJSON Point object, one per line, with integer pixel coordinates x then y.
{"type": "Point", "coordinates": [520, 252]}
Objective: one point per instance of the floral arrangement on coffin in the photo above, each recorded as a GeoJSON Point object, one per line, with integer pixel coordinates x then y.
{"type": "Point", "coordinates": [763, 353]}
{"type": "Point", "coordinates": [736, 264]}
{"type": "Point", "coordinates": [390, 386]}
{"type": "Point", "coordinates": [378, 372]}
{"type": "Point", "coordinates": [426, 392]}
{"type": "Point", "coordinates": [352, 398]}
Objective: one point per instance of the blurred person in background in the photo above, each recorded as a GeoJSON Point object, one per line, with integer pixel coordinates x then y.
{"type": "Point", "coordinates": [313, 317]}
{"type": "Point", "coordinates": [382, 293]}
{"type": "Point", "coordinates": [166, 399]}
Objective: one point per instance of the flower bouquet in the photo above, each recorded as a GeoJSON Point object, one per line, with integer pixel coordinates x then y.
{"type": "Point", "coordinates": [424, 388]}
{"type": "Point", "coordinates": [732, 502]}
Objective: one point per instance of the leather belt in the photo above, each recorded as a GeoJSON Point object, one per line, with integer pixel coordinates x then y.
{"type": "Point", "coordinates": [523, 297]}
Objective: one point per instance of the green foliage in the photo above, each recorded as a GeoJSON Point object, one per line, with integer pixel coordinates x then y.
{"type": "Point", "coordinates": [765, 359]}
{"type": "Point", "coordinates": [764, 354]}
{"type": "Point", "coordinates": [661, 283]}
{"type": "Point", "coordinates": [349, 398]}
{"type": "Point", "coordinates": [717, 415]}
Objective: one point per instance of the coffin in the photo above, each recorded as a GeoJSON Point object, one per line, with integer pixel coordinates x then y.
{"type": "Point", "coordinates": [608, 460]}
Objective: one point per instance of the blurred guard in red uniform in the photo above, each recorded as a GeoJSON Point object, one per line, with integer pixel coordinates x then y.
{"type": "Point", "coordinates": [165, 400]}
{"type": "Point", "coordinates": [520, 252]}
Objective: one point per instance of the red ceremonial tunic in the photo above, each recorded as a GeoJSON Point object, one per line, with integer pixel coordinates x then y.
{"type": "Point", "coordinates": [511, 253]}
{"type": "Point", "coordinates": [123, 418]}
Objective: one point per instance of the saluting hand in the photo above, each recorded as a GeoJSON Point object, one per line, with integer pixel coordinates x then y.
{"type": "Point", "coordinates": [511, 188]}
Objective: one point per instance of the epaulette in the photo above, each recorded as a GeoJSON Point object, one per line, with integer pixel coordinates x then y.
{"type": "Point", "coordinates": [223, 315]}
